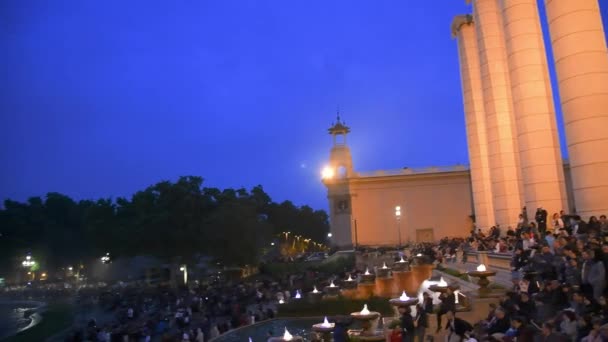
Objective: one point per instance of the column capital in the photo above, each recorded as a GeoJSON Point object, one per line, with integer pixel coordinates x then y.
{"type": "Point", "coordinates": [459, 21]}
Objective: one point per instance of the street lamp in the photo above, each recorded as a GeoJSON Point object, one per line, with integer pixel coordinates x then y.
{"type": "Point", "coordinates": [398, 218]}
{"type": "Point", "coordinates": [28, 262]}
{"type": "Point", "coordinates": [106, 258]}
{"type": "Point", "coordinates": [184, 269]}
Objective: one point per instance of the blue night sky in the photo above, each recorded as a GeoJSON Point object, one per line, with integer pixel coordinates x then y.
{"type": "Point", "coordinates": [103, 98]}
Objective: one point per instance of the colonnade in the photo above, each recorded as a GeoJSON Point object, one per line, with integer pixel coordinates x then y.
{"type": "Point", "coordinates": [512, 131]}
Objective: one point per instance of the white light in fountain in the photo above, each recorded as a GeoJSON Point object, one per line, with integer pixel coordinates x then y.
{"type": "Point", "coordinates": [419, 254]}
{"type": "Point", "coordinates": [365, 310]}
{"type": "Point", "coordinates": [250, 340]}
{"type": "Point", "coordinates": [384, 266]}
{"type": "Point", "coordinates": [442, 283]}
{"type": "Point", "coordinates": [404, 297]}
{"type": "Point", "coordinates": [481, 268]}
{"type": "Point", "coordinates": [326, 323]}
{"type": "Point", "coordinates": [281, 301]}
{"type": "Point", "coordinates": [456, 294]}
{"type": "Point", "coordinates": [331, 284]}
{"type": "Point", "coordinates": [367, 271]}
{"type": "Point", "coordinates": [349, 278]}
{"type": "Point", "coordinates": [287, 336]}
{"type": "Point", "coordinates": [298, 294]}
{"type": "Point", "coordinates": [314, 290]}
{"type": "Point", "coordinates": [401, 259]}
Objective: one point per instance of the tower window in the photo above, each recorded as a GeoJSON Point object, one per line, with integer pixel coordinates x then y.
{"type": "Point", "coordinates": [341, 172]}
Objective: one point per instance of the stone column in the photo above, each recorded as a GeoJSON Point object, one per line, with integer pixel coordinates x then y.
{"type": "Point", "coordinates": [501, 131]}
{"type": "Point", "coordinates": [539, 151]}
{"type": "Point", "coordinates": [475, 117]}
{"type": "Point", "coordinates": [581, 63]}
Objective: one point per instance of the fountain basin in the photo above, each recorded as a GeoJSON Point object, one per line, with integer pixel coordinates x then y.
{"type": "Point", "coordinates": [365, 317]}
{"type": "Point", "coordinates": [401, 266]}
{"type": "Point", "coordinates": [332, 290]}
{"type": "Point", "coordinates": [399, 302]}
{"type": "Point", "coordinates": [368, 278]}
{"type": "Point", "coordinates": [320, 328]}
{"type": "Point", "coordinates": [443, 289]}
{"type": "Point", "coordinates": [383, 272]}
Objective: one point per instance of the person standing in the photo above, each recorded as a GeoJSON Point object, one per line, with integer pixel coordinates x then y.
{"type": "Point", "coordinates": [448, 303]}
{"type": "Point", "coordinates": [407, 324]}
{"type": "Point", "coordinates": [421, 322]}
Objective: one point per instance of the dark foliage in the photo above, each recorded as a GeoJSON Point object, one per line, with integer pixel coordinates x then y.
{"type": "Point", "coordinates": [168, 219]}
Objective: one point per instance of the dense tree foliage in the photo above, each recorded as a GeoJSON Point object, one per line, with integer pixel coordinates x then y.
{"type": "Point", "coordinates": [167, 219]}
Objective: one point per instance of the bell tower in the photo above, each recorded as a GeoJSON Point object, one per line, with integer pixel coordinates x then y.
{"type": "Point", "coordinates": [336, 176]}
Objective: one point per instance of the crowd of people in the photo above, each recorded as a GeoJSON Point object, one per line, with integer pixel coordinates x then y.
{"type": "Point", "coordinates": [559, 271]}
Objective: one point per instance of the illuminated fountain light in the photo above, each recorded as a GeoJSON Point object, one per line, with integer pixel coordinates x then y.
{"type": "Point", "coordinates": [481, 268]}
{"type": "Point", "coordinates": [404, 297]}
{"type": "Point", "coordinates": [384, 266]}
{"type": "Point", "coordinates": [442, 283]}
{"type": "Point", "coordinates": [350, 278]}
{"type": "Point", "coordinates": [331, 284]}
{"type": "Point", "coordinates": [314, 290]}
{"type": "Point", "coordinates": [326, 323]}
{"type": "Point", "coordinates": [419, 254]}
{"type": "Point", "coordinates": [298, 295]}
{"type": "Point", "coordinates": [365, 311]}
{"type": "Point", "coordinates": [367, 271]}
{"type": "Point", "coordinates": [281, 301]}
{"type": "Point", "coordinates": [401, 260]}
{"type": "Point", "coordinates": [287, 336]}
{"type": "Point", "coordinates": [250, 340]}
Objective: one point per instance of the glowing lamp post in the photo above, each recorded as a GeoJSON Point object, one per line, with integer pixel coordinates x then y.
{"type": "Point", "coordinates": [106, 259]}
{"type": "Point", "coordinates": [398, 218]}
{"type": "Point", "coordinates": [30, 265]}
{"type": "Point", "coordinates": [184, 269]}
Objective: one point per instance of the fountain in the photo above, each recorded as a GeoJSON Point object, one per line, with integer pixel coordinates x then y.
{"type": "Point", "coordinates": [383, 272]}
{"type": "Point", "coordinates": [369, 321]}
{"type": "Point", "coordinates": [367, 277]}
{"type": "Point", "coordinates": [298, 295]}
{"type": "Point", "coordinates": [349, 283]}
{"type": "Point", "coordinates": [332, 289]}
{"type": "Point", "coordinates": [286, 337]}
{"type": "Point", "coordinates": [418, 259]}
{"type": "Point", "coordinates": [482, 273]}
{"type": "Point", "coordinates": [281, 301]}
{"type": "Point", "coordinates": [443, 286]}
{"type": "Point", "coordinates": [324, 329]}
{"type": "Point", "coordinates": [404, 300]}
{"type": "Point", "coordinates": [315, 295]}
{"type": "Point", "coordinates": [401, 266]}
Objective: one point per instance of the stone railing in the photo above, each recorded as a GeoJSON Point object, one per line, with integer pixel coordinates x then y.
{"type": "Point", "coordinates": [494, 260]}
{"type": "Point", "coordinates": [413, 171]}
